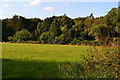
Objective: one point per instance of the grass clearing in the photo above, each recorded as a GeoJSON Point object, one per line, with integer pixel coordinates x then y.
{"type": "Point", "coordinates": [38, 61]}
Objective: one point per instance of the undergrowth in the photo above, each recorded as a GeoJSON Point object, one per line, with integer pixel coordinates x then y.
{"type": "Point", "coordinates": [103, 62]}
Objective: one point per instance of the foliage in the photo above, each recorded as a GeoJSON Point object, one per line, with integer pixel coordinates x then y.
{"type": "Point", "coordinates": [99, 31]}
{"type": "Point", "coordinates": [103, 62]}
{"type": "Point", "coordinates": [64, 30]}
{"type": "Point", "coordinates": [22, 35]}
{"type": "Point", "coordinates": [44, 38]}
{"type": "Point", "coordinates": [33, 42]}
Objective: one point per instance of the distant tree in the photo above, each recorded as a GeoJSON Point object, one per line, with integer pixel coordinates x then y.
{"type": "Point", "coordinates": [91, 15]}
{"type": "Point", "coordinates": [22, 35]}
{"type": "Point", "coordinates": [44, 38]}
{"type": "Point", "coordinates": [6, 30]}
{"type": "Point", "coordinates": [62, 29]}
{"type": "Point", "coordinates": [110, 20]}
{"type": "Point", "coordinates": [16, 23]}
{"type": "Point", "coordinates": [78, 28]}
{"type": "Point", "coordinates": [31, 24]}
{"type": "Point", "coordinates": [117, 29]}
{"type": "Point", "coordinates": [100, 32]}
{"type": "Point", "coordinates": [66, 24]}
{"type": "Point", "coordinates": [88, 24]}
{"type": "Point", "coordinates": [54, 30]}
{"type": "Point", "coordinates": [112, 17]}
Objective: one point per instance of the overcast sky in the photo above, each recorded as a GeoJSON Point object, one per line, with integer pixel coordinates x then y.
{"type": "Point", "coordinates": [43, 9]}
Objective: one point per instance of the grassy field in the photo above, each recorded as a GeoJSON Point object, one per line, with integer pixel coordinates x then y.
{"type": "Point", "coordinates": [38, 61]}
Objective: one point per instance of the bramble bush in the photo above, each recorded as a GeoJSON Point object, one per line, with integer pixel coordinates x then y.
{"type": "Point", "coordinates": [102, 62]}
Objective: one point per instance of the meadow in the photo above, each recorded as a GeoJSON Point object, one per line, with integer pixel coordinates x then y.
{"type": "Point", "coordinates": [37, 60]}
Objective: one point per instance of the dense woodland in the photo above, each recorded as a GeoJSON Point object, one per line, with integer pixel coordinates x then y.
{"type": "Point", "coordinates": [62, 29]}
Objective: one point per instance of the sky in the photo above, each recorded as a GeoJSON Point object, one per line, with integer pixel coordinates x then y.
{"type": "Point", "coordinates": [42, 9]}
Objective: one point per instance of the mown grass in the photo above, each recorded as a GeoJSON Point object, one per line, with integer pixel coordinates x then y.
{"type": "Point", "coordinates": [39, 61]}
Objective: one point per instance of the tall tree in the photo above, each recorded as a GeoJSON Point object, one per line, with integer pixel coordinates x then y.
{"type": "Point", "coordinates": [100, 32]}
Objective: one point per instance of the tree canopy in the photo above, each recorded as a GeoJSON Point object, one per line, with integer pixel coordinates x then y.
{"type": "Point", "coordinates": [62, 29]}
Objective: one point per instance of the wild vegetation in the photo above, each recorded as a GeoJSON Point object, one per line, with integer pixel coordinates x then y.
{"type": "Point", "coordinates": [102, 62]}
{"type": "Point", "coordinates": [63, 61]}
{"type": "Point", "coordinates": [62, 29]}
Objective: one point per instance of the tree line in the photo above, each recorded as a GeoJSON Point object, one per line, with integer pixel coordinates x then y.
{"type": "Point", "coordinates": [62, 29]}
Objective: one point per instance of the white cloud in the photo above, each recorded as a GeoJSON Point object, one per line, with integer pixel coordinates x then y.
{"type": "Point", "coordinates": [49, 9]}
{"type": "Point", "coordinates": [33, 3]}
{"type": "Point", "coordinates": [7, 5]}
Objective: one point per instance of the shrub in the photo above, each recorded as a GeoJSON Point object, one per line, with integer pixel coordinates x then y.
{"type": "Point", "coordinates": [33, 42]}
{"type": "Point", "coordinates": [10, 38]}
{"type": "Point", "coordinates": [108, 40]}
{"type": "Point", "coordinates": [85, 42]}
{"type": "Point", "coordinates": [103, 62]}
{"type": "Point", "coordinates": [96, 43]}
{"type": "Point", "coordinates": [100, 43]}
{"type": "Point", "coordinates": [20, 41]}
{"type": "Point", "coordinates": [75, 41]}
{"type": "Point", "coordinates": [22, 35]}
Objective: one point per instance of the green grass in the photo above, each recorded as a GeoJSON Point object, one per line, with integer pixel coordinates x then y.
{"type": "Point", "coordinates": [38, 61]}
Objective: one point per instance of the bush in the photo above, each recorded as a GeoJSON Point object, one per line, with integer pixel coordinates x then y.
{"type": "Point", "coordinates": [100, 43]}
{"type": "Point", "coordinates": [96, 43]}
{"type": "Point", "coordinates": [117, 41]}
{"type": "Point", "coordinates": [108, 40]}
{"type": "Point", "coordinates": [33, 42]}
{"type": "Point", "coordinates": [21, 36]}
{"type": "Point", "coordinates": [10, 38]}
{"type": "Point", "coordinates": [103, 62]}
{"type": "Point", "coordinates": [20, 41]}
{"type": "Point", "coordinates": [85, 42]}
{"type": "Point", "coordinates": [75, 42]}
